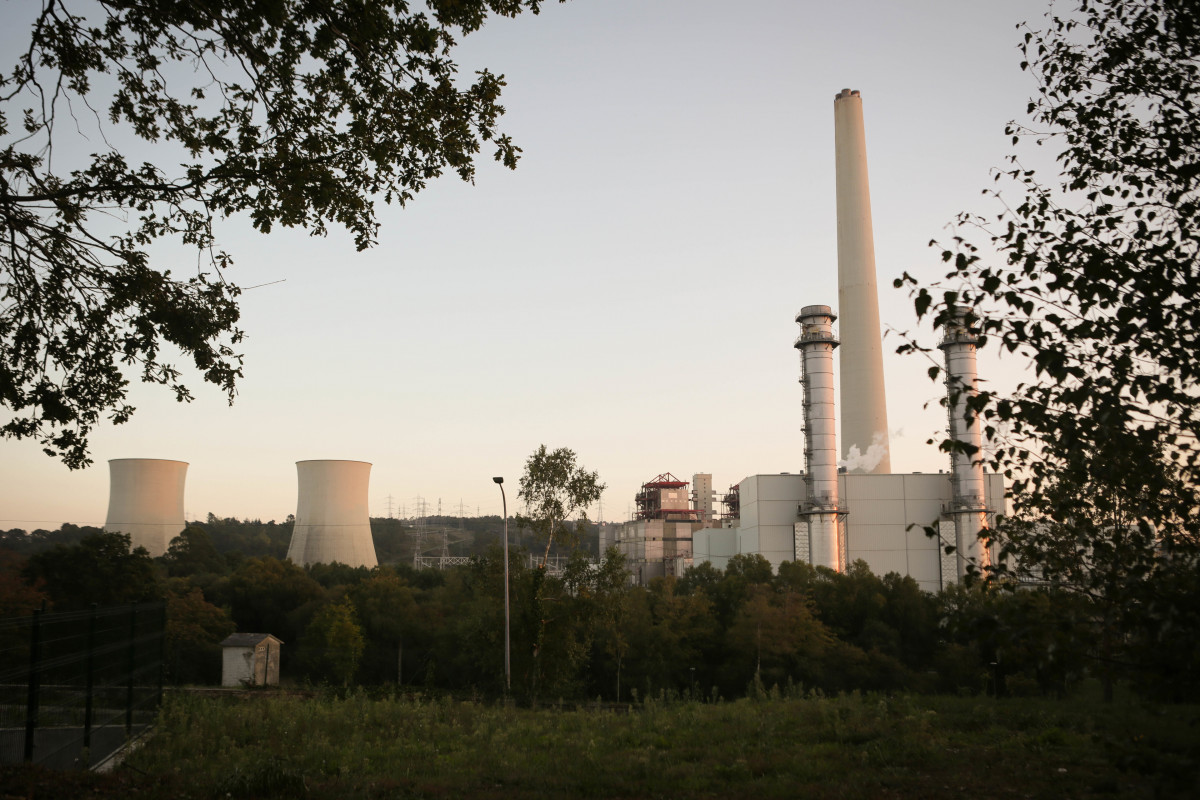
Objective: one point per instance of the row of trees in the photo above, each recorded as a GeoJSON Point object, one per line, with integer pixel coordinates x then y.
{"type": "Point", "coordinates": [394, 539]}
{"type": "Point", "coordinates": [586, 633]}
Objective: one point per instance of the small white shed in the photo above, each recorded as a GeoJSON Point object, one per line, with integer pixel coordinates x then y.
{"type": "Point", "coordinates": [250, 659]}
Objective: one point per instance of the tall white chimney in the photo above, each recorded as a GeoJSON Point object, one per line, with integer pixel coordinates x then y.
{"type": "Point", "coordinates": [332, 521]}
{"type": "Point", "coordinates": [968, 507]}
{"type": "Point", "coordinates": [817, 533]}
{"type": "Point", "coordinates": [865, 445]}
{"type": "Point", "coordinates": [145, 500]}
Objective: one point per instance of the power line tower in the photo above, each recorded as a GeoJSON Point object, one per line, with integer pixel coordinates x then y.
{"type": "Point", "coordinates": [419, 530]}
{"type": "Point", "coordinates": [389, 506]}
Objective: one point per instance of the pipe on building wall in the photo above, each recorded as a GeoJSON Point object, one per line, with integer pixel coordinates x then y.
{"type": "Point", "coordinates": [820, 510]}
{"type": "Point", "coordinates": [968, 507]}
{"type": "Point", "coordinates": [865, 442]}
{"type": "Point", "coordinates": [145, 500]}
{"type": "Point", "coordinates": [332, 520]}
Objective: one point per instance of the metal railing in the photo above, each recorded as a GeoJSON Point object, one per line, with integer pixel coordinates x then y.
{"type": "Point", "coordinates": [75, 686]}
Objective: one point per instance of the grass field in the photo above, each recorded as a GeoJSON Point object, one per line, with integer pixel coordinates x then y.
{"type": "Point", "coordinates": [851, 746]}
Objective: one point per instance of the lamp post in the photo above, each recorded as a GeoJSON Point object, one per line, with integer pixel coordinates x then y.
{"type": "Point", "coordinates": [507, 661]}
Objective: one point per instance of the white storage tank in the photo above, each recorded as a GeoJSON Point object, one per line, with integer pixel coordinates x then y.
{"type": "Point", "coordinates": [145, 500]}
{"type": "Point", "coordinates": [332, 521]}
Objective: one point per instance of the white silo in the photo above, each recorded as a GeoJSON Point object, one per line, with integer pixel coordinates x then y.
{"type": "Point", "coordinates": [968, 505]}
{"type": "Point", "coordinates": [817, 533]}
{"type": "Point", "coordinates": [332, 521]}
{"type": "Point", "coordinates": [865, 442]}
{"type": "Point", "coordinates": [145, 500]}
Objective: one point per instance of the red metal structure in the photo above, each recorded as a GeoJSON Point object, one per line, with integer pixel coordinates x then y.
{"type": "Point", "coordinates": [651, 503]}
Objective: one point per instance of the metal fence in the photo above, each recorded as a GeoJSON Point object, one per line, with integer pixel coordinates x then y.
{"type": "Point", "coordinates": [76, 685]}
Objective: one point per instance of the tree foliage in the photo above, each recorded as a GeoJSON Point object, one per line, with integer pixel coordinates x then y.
{"type": "Point", "coordinates": [194, 631]}
{"type": "Point", "coordinates": [333, 644]}
{"type": "Point", "coordinates": [266, 595]}
{"type": "Point", "coordinates": [300, 113]}
{"type": "Point", "coordinates": [555, 489]}
{"type": "Point", "coordinates": [192, 552]}
{"type": "Point", "coordinates": [1094, 278]}
{"type": "Point", "coordinates": [18, 597]}
{"type": "Point", "coordinates": [585, 632]}
{"type": "Point", "coordinates": [102, 568]}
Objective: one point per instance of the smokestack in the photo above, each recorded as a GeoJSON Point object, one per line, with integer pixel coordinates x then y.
{"type": "Point", "coordinates": [968, 507]}
{"type": "Point", "coordinates": [818, 540]}
{"type": "Point", "coordinates": [145, 500]}
{"type": "Point", "coordinates": [864, 405]}
{"type": "Point", "coordinates": [332, 522]}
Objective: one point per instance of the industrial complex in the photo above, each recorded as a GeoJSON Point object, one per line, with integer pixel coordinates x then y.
{"type": "Point", "coordinates": [845, 503]}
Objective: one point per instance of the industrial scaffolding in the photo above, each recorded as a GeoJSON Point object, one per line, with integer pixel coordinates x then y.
{"type": "Point", "coordinates": [650, 504]}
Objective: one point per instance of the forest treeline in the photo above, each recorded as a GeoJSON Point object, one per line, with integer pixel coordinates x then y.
{"type": "Point", "coordinates": [583, 634]}
{"type": "Point", "coordinates": [396, 540]}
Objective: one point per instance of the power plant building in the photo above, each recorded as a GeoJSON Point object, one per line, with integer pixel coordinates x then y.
{"type": "Point", "coordinates": [703, 496]}
{"type": "Point", "coordinates": [847, 505]}
{"type": "Point", "coordinates": [883, 523]}
{"type": "Point", "coordinates": [658, 542]}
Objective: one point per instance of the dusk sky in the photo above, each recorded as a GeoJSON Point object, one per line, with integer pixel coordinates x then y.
{"type": "Point", "coordinates": [628, 292]}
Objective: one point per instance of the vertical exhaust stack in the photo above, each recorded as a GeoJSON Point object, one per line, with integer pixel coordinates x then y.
{"type": "Point", "coordinates": [819, 512]}
{"type": "Point", "coordinates": [864, 404]}
{"type": "Point", "coordinates": [332, 521]}
{"type": "Point", "coordinates": [968, 506]}
{"type": "Point", "coordinates": [145, 500]}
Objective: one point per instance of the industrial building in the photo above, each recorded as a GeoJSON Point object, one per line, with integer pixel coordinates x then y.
{"type": "Point", "coordinates": [846, 504]}
{"type": "Point", "coordinates": [658, 541]}
{"type": "Point", "coordinates": [250, 659]}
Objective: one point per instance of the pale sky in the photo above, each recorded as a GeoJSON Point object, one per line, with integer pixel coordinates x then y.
{"type": "Point", "coordinates": [628, 292]}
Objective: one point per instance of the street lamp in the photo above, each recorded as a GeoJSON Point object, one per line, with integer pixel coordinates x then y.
{"type": "Point", "coordinates": [507, 661]}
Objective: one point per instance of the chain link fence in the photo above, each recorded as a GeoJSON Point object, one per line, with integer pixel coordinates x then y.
{"type": "Point", "coordinates": [76, 685]}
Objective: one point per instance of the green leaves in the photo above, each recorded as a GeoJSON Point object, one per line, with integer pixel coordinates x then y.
{"type": "Point", "coordinates": [294, 112]}
{"type": "Point", "coordinates": [555, 489]}
{"type": "Point", "coordinates": [1093, 277]}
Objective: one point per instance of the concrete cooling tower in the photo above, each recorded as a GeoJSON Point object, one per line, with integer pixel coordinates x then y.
{"type": "Point", "coordinates": [332, 523]}
{"type": "Point", "coordinates": [145, 500]}
{"type": "Point", "coordinates": [864, 406]}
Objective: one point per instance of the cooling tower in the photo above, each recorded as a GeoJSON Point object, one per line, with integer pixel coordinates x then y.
{"type": "Point", "coordinates": [968, 505]}
{"type": "Point", "coordinates": [145, 500]}
{"type": "Point", "coordinates": [817, 534]}
{"type": "Point", "coordinates": [332, 523]}
{"type": "Point", "coordinates": [864, 405]}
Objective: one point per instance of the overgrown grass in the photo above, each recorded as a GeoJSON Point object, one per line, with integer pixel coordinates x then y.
{"type": "Point", "coordinates": [857, 746]}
